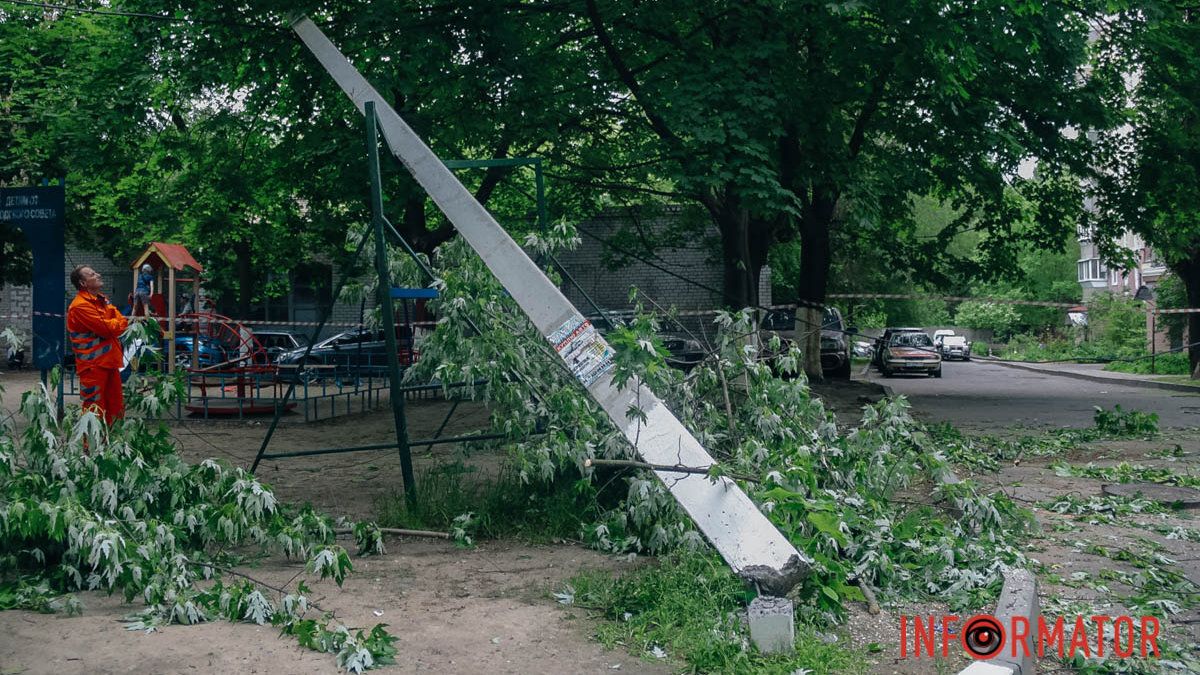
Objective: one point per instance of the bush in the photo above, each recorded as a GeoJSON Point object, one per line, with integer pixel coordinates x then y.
{"type": "Point", "coordinates": [1174, 363]}
{"type": "Point", "coordinates": [1001, 319]}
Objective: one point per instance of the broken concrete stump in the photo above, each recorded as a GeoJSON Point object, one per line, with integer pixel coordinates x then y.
{"type": "Point", "coordinates": [772, 627]}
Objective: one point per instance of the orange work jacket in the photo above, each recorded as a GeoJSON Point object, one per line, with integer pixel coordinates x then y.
{"type": "Point", "coordinates": [94, 325]}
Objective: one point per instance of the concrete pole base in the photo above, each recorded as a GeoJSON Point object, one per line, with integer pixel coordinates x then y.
{"type": "Point", "coordinates": [772, 626]}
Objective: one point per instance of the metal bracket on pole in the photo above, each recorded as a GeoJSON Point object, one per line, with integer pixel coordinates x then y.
{"type": "Point", "coordinates": [745, 538]}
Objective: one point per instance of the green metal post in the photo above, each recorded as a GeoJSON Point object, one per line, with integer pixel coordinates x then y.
{"type": "Point", "coordinates": [385, 300]}
{"type": "Point", "coordinates": [1153, 340]}
{"type": "Point", "coordinates": [540, 183]}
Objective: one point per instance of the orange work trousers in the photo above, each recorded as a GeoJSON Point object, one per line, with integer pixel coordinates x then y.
{"type": "Point", "coordinates": [100, 392]}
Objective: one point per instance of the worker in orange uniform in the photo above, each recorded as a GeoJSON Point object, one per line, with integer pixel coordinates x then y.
{"type": "Point", "coordinates": [94, 326]}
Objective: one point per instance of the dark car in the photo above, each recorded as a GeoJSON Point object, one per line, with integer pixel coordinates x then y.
{"type": "Point", "coordinates": [911, 352]}
{"type": "Point", "coordinates": [683, 350]}
{"type": "Point", "coordinates": [835, 350]}
{"type": "Point", "coordinates": [352, 351]}
{"type": "Point", "coordinates": [278, 342]}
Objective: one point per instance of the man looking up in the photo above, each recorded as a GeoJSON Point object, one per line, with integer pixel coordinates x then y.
{"type": "Point", "coordinates": [94, 325]}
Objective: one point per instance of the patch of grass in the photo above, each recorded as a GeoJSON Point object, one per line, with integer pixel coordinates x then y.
{"type": "Point", "coordinates": [1164, 364]}
{"type": "Point", "coordinates": [454, 497]}
{"type": "Point", "coordinates": [689, 607]}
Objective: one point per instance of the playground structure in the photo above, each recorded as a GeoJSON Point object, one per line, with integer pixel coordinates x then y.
{"type": "Point", "coordinates": [172, 259]}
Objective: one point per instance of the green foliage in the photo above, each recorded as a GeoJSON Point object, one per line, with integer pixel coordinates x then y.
{"type": "Point", "coordinates": [1170, 293]}
{"type": "Point", "coordinates": [687, 607]}
{"type": "Point", "coordinates": [984, 453]}
{"type": "Point", "coordinates": [999, 318]}
{"type": "Point", "coordinates": [500, 506]}
{"type": "Point", "coordinates": [1154, 176]}
{"type": "Point", "coordinates": [1125, 472]}
{"type": "Point", "coordinates": [1118, 423]}
{"type": "Point", "coordinates": [1117, 325]}
{"type": "Point", "coordinates": [829, 490]}
{"type": "Point", "coordinates": [88, 507]}
{"type": "Point", "coordinates": [1172, 363]}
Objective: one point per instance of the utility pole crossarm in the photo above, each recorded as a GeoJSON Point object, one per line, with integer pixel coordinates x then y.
{"type": "Point", "coordinates": [745, 538]}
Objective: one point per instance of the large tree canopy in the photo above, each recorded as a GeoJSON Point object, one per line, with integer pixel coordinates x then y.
{"type": "Point", "coordinates": [1152, 175]}
{"type": "Point", "coordinates": [822, 121]}
{"type": "Point", "coordinates": [811, 121]}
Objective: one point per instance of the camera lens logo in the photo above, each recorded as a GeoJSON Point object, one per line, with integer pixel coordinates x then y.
{"type": "Point", "coordinates": [983, 636]}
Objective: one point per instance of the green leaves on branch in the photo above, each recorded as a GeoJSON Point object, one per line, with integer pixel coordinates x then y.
{"type": "Point", "coordinates": [128, 515]}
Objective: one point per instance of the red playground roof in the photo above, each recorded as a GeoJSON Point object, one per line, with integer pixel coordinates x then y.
{"type": "Point", "coordinates": [159, 255]}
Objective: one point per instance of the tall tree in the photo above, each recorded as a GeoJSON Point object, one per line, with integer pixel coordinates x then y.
{"type": "Point", "coordinates": [1152, 165]}
{"type": "Point", "coordinates": [802, 119]}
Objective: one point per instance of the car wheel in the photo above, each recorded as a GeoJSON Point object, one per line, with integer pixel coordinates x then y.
{"type": "Point", "coordinates": [937, 373]}
{"type": "Point", "coordinates": [885, 372]}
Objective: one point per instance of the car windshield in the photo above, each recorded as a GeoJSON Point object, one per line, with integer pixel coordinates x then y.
{"type": "Point", "coordinates": [954, 341]}
{"type": "Point", "coordinates": [831, 320]}
{"type": "Point", "coordinates": [911, 340]}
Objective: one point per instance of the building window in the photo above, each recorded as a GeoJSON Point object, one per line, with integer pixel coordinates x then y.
{"type": "Point", "coordinates": [1092, 269]}
{"type": "Point", "coordinates": [310, 292]}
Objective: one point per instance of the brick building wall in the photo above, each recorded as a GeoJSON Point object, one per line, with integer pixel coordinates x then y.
{"type": "Point", "coordinates": [16, 302]}
{"type": "Point", "coordinates": [697, 260]}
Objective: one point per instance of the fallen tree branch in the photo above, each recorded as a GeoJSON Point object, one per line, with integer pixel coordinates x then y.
{"type": "Point", "coordinates": [674, 468]}
{"type": "Point", "coordinates": [401, 532]}
{"type": "Point", "coordinates": [869, 594]}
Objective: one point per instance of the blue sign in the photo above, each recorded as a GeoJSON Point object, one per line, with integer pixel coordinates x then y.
{"type": "Point", "coordinates": [40, 213]}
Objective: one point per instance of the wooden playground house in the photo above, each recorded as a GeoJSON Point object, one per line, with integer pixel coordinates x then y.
{"type": "Point", "coordinates": [176, 264]}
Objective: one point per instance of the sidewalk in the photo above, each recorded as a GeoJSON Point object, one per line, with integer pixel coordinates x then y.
{"type": "Point", "coordinates": [1095, 372]}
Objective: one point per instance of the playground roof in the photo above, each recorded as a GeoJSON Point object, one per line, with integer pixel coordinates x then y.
{"type": "Point", "coordinates": [171, 255]}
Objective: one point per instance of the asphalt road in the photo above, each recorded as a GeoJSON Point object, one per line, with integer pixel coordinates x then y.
{"type": "Point", "coordinates": [981, 395]}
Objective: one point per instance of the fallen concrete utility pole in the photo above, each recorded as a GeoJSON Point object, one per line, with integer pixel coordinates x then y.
{"type": "Point", "coordinates": [731, 522]}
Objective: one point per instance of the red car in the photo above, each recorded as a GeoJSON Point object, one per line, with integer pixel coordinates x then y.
{"type": "Point", "coordinates": [910, 352]}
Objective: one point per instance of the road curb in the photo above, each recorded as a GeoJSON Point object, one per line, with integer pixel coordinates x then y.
{"type": "Point", "coordinates": [1018, 597]}
{"type": "Point", "coordinates": [1144, 384]}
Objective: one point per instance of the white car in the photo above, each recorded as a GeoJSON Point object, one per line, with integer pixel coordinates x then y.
{"type": "Point", "coordinates": [955, 347]}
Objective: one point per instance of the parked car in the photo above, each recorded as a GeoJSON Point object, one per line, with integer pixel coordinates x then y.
{"type": "Point", "coordinates": [939, 335]}
{"type": "Point", "coordinates": [835, 350]}
{"type": "Point", "coordinates": [911, 352]}
{"type": "Point", "coordinates": [862, 349]}
{"type": "Point", "coordinates": [684, 351]}
{"type": "Point", "coordinates": [955, 347]}
{"type": "Point", "coordinates": [353, 350]}
{"type": "Point", "coordinates": [278, 342]}
{"type": "Point", "coordinates": [212, 352]}
{"type": "Point", "coordinates": [882, 343]}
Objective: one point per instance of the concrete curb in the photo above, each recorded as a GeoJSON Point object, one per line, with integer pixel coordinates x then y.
{"type": "Point", "coordinates": [1019, 597]}
{"type": "Point", "coordinates": [1145, 384]}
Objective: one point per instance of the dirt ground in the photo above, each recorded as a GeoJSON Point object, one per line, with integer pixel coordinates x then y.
{"type": "Point", "coordinates": [1062, 550]}
{"type": "Point", "coordinates": [488, 609]}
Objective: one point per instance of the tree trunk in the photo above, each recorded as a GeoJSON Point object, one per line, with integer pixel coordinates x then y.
{"type": "Point", "coordinates": [740, 275]}
{"type": "Point", "coordinates": [1189, 274]}
{"type": "Point", "coordinates": [815, 258]}
{"type": "Point", "coordinates": [245, 277]}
